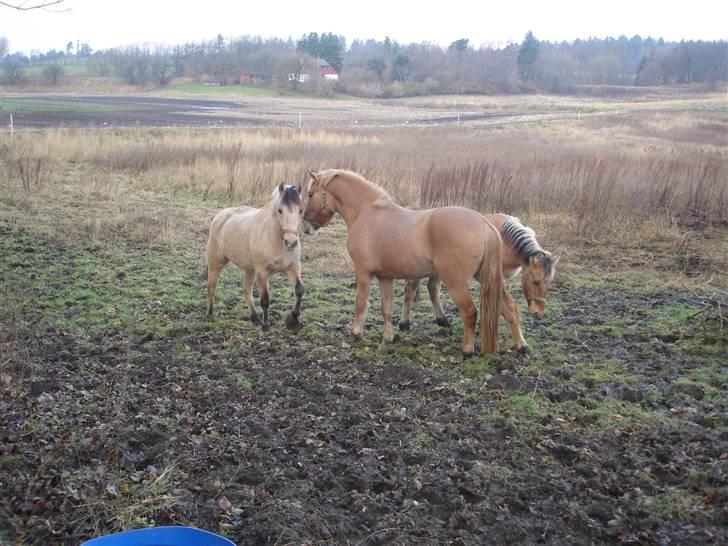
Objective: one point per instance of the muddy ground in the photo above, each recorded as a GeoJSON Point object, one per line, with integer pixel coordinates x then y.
{"type": "Point", "coordinates": [122, 407]}
{"type": "Point", "coordinates": [145, 110]}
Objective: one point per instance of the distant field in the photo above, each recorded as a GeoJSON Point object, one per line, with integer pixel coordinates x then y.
{"type": "Point", "coordinates": [202, 89]}
{"type": "Point", "coordinates": [73, 70]}
{"type": "Point", "coordinates": [242, 90]}
{"type": "Point", "coordinates": [197, 105]}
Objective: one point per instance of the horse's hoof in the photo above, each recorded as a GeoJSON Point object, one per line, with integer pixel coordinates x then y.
{"type": "Point", "coordinates": [523, 353]}
{"type": "Point", "coordinates": [467, 355]}
{"type": "Point", "coordinates": [254, 318]}
{"type": "Point", "coordinates": [404, 325]}
{"type": "Point", "coordinates": [266, 326]}
{"type": "Point", "coordinates": [292, 322]}
{"type": "Point", "coordinates": [356, 336]}
{"type": "Point", "coordinates": [442, 321]}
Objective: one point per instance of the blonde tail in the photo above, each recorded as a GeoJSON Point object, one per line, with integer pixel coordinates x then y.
{"type": "Point", "coordinates": [491, 290]}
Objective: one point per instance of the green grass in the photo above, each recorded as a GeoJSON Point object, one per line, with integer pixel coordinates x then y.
{"type": "Point", "coordinates": [243, 90]}
{"type": "Point", "coordinates": [202, 89]}
{"type": "Point", "coordinates": [72, 70]}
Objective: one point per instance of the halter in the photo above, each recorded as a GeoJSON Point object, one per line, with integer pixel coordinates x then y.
{"type": "Point", "coordinates": [531, 298]}
{"type": "Point", "coordinates": [324, 207]}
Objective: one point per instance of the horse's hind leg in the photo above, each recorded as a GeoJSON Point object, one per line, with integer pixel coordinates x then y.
{"type": "Point", "coordinates": [510, 312]}
{"type": "Point", "coordinates": [262, 279]}
{"type": "Point", "coordinates": [468, 312]}
{"type": "Point", "coordinates": [411, 287]}
{"type": "Point", "coordinates": [386, 289]}
{"type": "Point", "coordinates": [294, 276]}
{"type": "Point", "coordinates": [433, 287]}
{"type": "Point", "coordinates": [214, 267]}
{"type": "Point", "coordinates": [248, 284]}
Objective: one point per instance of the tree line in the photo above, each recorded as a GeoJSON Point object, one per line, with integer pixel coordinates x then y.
{"type": "Point", "coordinates": [386, 68]}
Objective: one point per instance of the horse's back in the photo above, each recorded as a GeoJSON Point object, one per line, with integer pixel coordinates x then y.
{"type": "Point", "coordinates": [405, 243]}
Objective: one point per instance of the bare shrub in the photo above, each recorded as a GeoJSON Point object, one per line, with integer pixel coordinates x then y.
{"type": "Point", "coordinates": [232, 159]}
{"type": "Point", "coordinates": [30, 171]}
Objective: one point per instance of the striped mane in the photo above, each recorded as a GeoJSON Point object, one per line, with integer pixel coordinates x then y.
{"type": "Point", "coordinates": [523, 240]}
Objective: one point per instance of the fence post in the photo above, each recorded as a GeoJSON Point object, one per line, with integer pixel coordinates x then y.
{"type": "Point", "coordinates": [12, 128]}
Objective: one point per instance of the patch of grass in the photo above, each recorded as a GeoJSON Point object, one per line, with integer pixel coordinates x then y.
{"type": "Point", "coordinates": [72, 70]}
{"type": "Point", "coordinates": [202, 89]}
{"type": "Point", "coordinates": [681, 505]}
{"type": "Point", "coordinates": [599, 371]}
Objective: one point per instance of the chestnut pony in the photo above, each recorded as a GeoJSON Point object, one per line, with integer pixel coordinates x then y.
{"type": "Point", "coordinates": [521, 254]}
{"type": "Point", "coordinates": [390, 242]}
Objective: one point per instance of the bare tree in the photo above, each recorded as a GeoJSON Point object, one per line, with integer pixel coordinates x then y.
{"type": "Point", "coordinates": [4, 46]}
{"type": "Point", "coordinates": [52, 73]}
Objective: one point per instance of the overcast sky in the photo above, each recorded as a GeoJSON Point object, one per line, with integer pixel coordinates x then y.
{"type": "Point", "coordinates": [110, 23]}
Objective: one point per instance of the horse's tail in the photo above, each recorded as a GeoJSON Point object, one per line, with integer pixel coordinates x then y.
{"type": "Point", "coordinates": [491, 289]}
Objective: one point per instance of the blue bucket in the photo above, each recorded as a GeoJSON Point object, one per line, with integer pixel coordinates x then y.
{"type": "Point", "coordinates": [161, 536]}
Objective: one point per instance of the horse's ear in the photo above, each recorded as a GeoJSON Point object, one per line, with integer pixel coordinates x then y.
{"type": "Point", "coordinates": [281, 188]}
{"type": "Point", "coordinates": [533, 260]}
{"type": "Point", "coordinates": [313, 175]}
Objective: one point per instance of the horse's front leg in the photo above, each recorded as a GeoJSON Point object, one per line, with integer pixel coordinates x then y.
{"type": "Point", "coordinates": [262, 278]}
{"type": "Point", "coordinates": [248, 283]}
{"type": "Point", "coordinates": [363, 284]}
{"type": "Point", "coordinates": [386, 290]}
{"type": "Point", "coordinates": [510, 313]}
{"type": "Point", "coordinates": [294, 276]}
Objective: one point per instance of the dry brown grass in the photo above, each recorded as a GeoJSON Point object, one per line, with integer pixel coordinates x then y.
{"type": "Point", "coordinates": [617, 180]}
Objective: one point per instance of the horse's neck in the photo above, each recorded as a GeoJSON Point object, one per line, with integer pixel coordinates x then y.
{"type": "Point", "coordinates": [511, 259]}
{"type": "Point", "coordinates": [269, 224]}
{"type": "Point", "coordinates": [353, 195]}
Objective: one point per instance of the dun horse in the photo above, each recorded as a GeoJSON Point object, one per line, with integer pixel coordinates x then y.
{"type": "Point", "coordinates": [260, 242]}
{"type": "Point", "coordinates": [389, 242]}
{"type": "Point", "coordinates": [521, 253]}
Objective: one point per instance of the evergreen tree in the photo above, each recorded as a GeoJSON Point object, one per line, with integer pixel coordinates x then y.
{"type": "Point", "coordinates": [527, 56]}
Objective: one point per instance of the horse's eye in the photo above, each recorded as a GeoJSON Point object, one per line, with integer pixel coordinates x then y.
{"type": "Point", "coordinates": [537, 283]}
{"type": "Point", "coordinates": [310, 194]}
{"type": "Point", "coordinates": [280, 211]}
{"type": "Point", "coordinates": [300, 211]}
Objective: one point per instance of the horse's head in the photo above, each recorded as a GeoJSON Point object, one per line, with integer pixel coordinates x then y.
{"type": "Point", "coordinates": [536, 277]}
{"type": "Point", "coordinates": [318, 206]}
{"type": "Point", "coordinates": [289, 213]}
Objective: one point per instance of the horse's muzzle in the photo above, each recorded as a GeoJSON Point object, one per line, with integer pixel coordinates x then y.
{"type": "Point", "coordinates": [290, 246]}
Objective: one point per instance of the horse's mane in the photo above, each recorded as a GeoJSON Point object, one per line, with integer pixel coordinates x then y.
{"type": "Point", "coordinates": [327, 175]}
{"type": "Point", "coordinates": [290, 196]}
{"type": "Point", "coordinates": [524, 242]}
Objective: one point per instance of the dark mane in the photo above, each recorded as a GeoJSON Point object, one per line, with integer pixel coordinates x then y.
{"type": "Point", "coordinates": [291, 197]}
{"type": "Point", "coordinates": [524, 242]}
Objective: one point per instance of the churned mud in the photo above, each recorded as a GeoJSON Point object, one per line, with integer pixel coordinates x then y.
{"type": "Point", "coordinates": [121, 407]}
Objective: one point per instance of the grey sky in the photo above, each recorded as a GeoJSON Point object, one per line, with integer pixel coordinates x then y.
{"type": "Point", "coordinates": [109, 23]}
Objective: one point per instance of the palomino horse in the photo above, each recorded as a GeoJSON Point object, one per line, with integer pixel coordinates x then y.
{"type": "Point", "coordinates": [260, 242]}
{"type": "Point", "coordinates": [390, 242]}
{"type": "Point", "coordinates": [521, 252]}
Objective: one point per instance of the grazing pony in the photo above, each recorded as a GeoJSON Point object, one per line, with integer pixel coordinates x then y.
{"type": "Point", "coordinates": [260, 242]}
{"type": "Point", "coordinates": [390, 242]}
{"type": "Point", "coordinates": [521, 253]}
